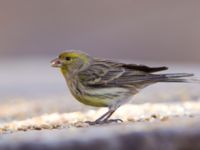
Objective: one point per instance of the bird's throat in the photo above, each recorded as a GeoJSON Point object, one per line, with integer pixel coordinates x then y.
{"type": "Point", "coordinates": [65, 72]}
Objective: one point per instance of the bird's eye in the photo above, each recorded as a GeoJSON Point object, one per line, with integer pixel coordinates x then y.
{"type": "Point", "coordinates": [67, 58]}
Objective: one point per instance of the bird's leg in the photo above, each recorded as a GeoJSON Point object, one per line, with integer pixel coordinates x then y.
{"type": "Point", "coordinates": [105, 118]}
{"type": "Point", "coordinates": [108, 116]}
{"type": "Point", "coordinates": [99, 120]}
{"type": "Point", "coordinates": [108, 113]}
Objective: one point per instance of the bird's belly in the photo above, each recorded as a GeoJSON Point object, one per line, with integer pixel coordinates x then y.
{"type": "Point", "coordinates": [101, 97]}
{"type": "Point", "coordinates": [93, 101]}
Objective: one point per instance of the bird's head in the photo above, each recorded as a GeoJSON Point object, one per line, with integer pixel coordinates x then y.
{"type": "Point", "coordinates": [71, 61]}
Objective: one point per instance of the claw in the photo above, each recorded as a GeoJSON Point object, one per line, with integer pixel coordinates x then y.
{"type": "Point", "coordinates": [115, 120]}
{"type": "Point", "coordinates": [91, 122]}
{"type": "Point", "coordinates": [98, 122]}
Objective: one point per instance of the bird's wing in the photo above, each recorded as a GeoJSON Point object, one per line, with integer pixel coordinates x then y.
{"type": "Point", "coordinates": [107, 73]}
{"type": "Point", "coordinates": [144, 68]}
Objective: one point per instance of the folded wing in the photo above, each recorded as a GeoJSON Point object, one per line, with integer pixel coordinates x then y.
{"type": "Point", "coordinates": [111, 74]}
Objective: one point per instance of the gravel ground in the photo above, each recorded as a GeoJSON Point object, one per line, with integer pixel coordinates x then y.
{"type": "Point", "coordinates": [129, 113]}
{"type": "Point", "coordinates": [176, 133]}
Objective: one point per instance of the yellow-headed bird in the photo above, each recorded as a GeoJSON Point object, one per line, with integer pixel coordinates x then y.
{"type": "Point", "coordinates": [105, 83]}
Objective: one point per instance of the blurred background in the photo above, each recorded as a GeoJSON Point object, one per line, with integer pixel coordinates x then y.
{"type": "Point", "coordinates": [32, 33]}
{"type": "Point", "coordinates": [133, 29]}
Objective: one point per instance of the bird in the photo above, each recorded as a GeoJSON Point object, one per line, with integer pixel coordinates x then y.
{"type": "Point", "coordinates": [107, 83]}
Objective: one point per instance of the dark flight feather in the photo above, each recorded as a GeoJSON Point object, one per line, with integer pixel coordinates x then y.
{"type": "Point", "coordinates": [144, 68]}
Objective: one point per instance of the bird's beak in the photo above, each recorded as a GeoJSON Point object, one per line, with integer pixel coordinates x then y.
{"type": "Point", "coordinates": [56, 63]}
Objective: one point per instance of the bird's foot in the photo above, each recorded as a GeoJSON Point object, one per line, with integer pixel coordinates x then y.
{"type": "Point", "coordinates": [100, 122]}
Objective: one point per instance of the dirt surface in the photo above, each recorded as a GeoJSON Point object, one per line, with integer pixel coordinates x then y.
{"type": "Point", "coordinates": [177, 133]}
{"type": "Point", "coordinates": [129, 113]}
{"type": "Point", "coordinates": [161, 117]}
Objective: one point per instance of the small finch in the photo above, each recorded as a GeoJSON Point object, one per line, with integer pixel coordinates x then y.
{"type": "Point", "coordinates": [105, 83]}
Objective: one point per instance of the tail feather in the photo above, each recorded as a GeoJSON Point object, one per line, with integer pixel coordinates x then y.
{"type": "Point", "coordinates": [180, 77]}
{"type": "Point", "coordinates": [183, 80]}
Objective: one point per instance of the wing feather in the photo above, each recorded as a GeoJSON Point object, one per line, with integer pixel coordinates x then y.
{"type": "Point", "coordinates": [111, 74]}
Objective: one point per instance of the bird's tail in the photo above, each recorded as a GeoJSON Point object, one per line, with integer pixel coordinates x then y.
{"type": "Point", "coordinates": [180, 77]}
